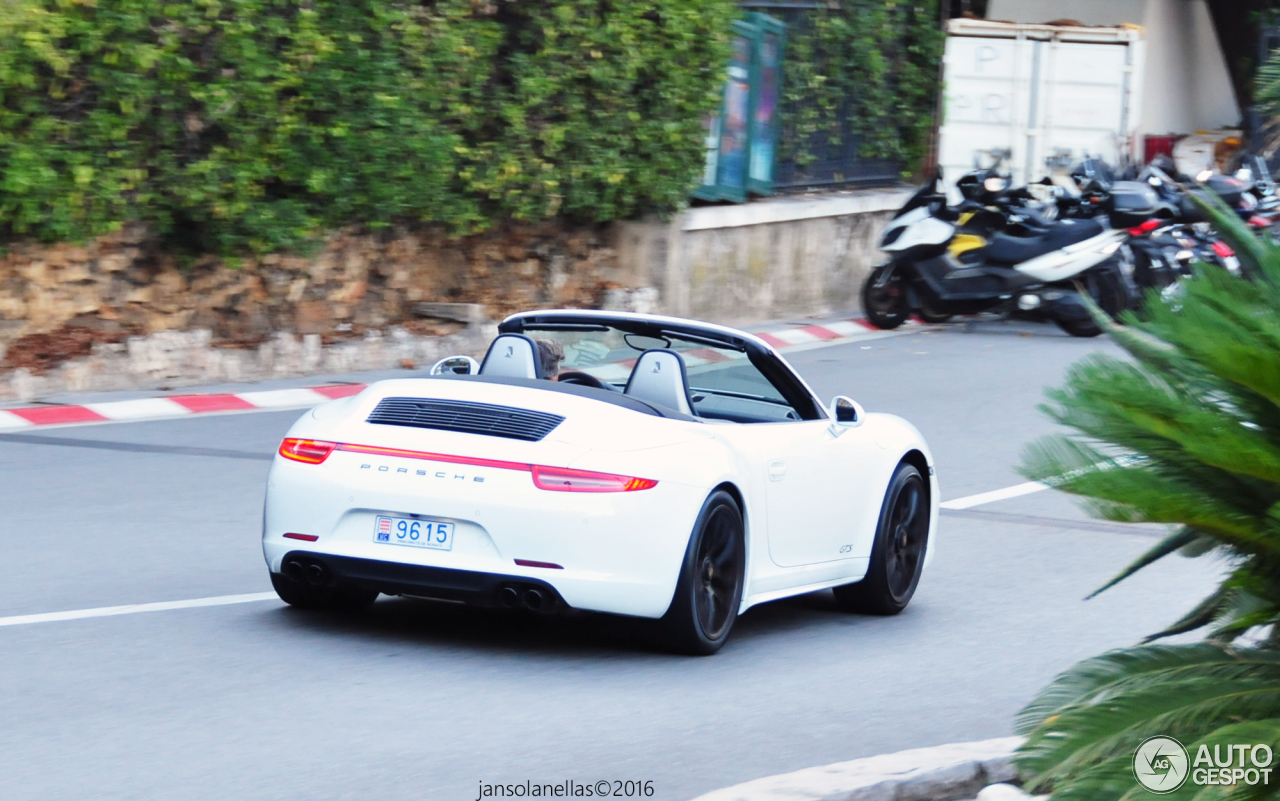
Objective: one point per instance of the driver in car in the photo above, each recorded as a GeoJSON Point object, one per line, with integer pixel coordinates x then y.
{"type": "Point", "coordinates": [551, 354]}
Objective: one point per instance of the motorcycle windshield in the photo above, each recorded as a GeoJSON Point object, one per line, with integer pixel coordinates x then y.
{"type": "Point", "coordinates": [923, 197]}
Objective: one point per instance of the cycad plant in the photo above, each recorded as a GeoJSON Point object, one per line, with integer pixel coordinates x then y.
{"type": "Point", "coordinates": [1187, 433]}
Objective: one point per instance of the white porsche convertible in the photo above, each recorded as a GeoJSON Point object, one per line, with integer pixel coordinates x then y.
{"type": "Point", "coordinates": [669, 469]}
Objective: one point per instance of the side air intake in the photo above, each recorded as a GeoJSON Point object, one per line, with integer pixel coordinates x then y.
{"type": "Point", "coordinates": [464, 417]}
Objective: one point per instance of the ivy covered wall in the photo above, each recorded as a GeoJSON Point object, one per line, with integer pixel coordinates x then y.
{"type": "Point", "coordinates": [251, 125]}
{"type": "Point", "coordinates": [860, 86]}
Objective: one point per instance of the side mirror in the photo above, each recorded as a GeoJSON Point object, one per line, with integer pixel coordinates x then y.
{"type": "Point", "coordinates": [455, 365]}
{"type": "Point", "coordinates": [845, 413]}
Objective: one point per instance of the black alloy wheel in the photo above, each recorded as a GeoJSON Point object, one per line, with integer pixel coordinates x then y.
{"type": "Point", "coordinates": [897, 556]}
{"type": "Point", "coordinates": [709, 590]}
{"type": "Point", "coordinates": [884, 298]}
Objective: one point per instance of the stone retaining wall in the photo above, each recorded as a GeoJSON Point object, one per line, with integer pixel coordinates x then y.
{"type": "Point", "coordinates": [121, 313]}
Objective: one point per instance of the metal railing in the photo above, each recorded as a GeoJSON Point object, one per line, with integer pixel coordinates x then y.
{"type": "Point", "coordinates": [832, 153]}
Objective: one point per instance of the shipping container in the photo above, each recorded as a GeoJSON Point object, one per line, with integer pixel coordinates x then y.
{"type": "Point", "coordinates": [1040, 92]}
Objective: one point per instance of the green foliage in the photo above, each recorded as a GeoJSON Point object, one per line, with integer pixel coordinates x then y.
{"type": "Point", "coordinates": [1186, 432]}
{"type": "Point", "coordinates": [1266, 87]}
{"type": "Point", "coordinates": [1083, 729]}
{"type": "Point", "coordinates": [234, 124]}
{"type": "Point", "coordinates": [867, 69]}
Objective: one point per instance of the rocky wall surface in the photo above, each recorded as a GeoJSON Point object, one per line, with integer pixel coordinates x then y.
{"type": "Point", "coordinates": [122, 313]}
{"type": "Point", "coordinates": [65, 298]}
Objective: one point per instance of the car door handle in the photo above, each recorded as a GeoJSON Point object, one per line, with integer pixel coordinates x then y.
{"type": "Point", "coordinates": [777, 470]}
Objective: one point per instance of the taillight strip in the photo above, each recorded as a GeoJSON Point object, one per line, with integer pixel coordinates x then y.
{"type": "Point", "coordinates": [376, 450]}
{"type": "Point", "coordinates": [554, 479]}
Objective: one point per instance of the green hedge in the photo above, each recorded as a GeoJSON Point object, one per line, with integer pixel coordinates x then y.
{"type": "Point", "coordinates": [254, 124]}
{"type": "Point", "coordinates": [867, 69]}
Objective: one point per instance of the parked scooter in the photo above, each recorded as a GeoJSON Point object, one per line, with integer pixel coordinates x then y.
{"type": "Point", "coordinates": [1029, 267]}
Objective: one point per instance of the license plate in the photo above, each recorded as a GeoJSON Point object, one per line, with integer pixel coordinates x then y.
{"type": "Point", "coordinates": [413, 532]}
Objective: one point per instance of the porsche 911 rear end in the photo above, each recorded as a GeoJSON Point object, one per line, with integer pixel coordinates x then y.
{"type": "Point", "coordinates": [484, 493]}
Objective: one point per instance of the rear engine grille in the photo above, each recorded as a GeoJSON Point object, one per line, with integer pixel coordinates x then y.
{"type": "Point", "coordinates": [468, 418]}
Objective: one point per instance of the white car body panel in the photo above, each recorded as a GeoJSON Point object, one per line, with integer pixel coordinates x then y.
{"type": "Point", "coordinates": [621, 551]}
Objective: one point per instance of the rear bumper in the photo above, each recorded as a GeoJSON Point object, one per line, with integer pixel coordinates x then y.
{"type": "Point", "coordinates": [616, 552]}
{"type": "Point", "coordinates": [423, 581]}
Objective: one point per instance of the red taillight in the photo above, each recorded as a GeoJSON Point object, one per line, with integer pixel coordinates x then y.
{"type": "Point", "coordinates": [306, 450]}
{"type": "Point", "coordinates": [557, 479]}
{"type": "Point", "coordinates": [303, 537]}
{"type": "Point", "coordinates": [1223, 249]}
{"type": "Point", "coordinates": [377, 450]}
{"type": "Point", "coordinates": [564, 479]}
{"type": "Point", "coordinates": [1145, 228]}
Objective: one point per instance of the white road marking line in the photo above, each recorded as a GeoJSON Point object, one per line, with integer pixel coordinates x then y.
{"type": "Point", "coordinates": [141, 409]}
{"type": "Point", "coordinates": [133, 609]}
{"type": "Point", "coordinates": [224, 600]}
{"type": "Point", "coordinates": [995, 495]}
{"type": "Point", "coordinates": [11, 422]}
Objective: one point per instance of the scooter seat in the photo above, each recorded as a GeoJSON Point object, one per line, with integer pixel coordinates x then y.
{"type": "Point", "coordinates": [1008, 249]}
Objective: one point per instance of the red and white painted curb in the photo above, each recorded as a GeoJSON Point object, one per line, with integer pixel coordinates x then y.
{"type": "Point", "coordinates": [171, 406]}
{"type": "Point", "coordinates": [787, 337]}
{"type": "Point", "coordinates": [831, 331]}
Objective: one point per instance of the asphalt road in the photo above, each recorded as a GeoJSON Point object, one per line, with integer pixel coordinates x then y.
{"type": "Point", "coordinates": [417, 700]}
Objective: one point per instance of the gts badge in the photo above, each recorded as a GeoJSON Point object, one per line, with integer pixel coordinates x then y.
{"type": "Point", "coordinates": [445, 474]}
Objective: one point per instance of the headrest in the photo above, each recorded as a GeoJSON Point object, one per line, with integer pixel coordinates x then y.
{"type": "Point", "coordinates": [659, 377]}
{"type": "Point", "coordinates": [512, 356]}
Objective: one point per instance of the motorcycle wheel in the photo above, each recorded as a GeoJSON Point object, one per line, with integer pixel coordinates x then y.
{"type": "Point", "coordinates": [929, 316]}
{"type": "Point", "coordinates": [884, 299]}
{"type": "Point", "coordinates": [1106, 289]}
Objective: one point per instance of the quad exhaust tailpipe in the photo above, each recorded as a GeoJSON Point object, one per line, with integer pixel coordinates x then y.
{"type": "Point", "coordinates": [313, 573]}
{"type": "Point", "coordinates": [317, 575]}
{"type": "Point", "coordinates": [534, 599]}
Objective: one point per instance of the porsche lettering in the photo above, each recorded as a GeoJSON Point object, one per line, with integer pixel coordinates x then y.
{"type": "Point", "coordinates": [382, 468]}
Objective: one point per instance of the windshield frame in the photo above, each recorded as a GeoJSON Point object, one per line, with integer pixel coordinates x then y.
{"type": "Point", "coordinates": [789, 385]}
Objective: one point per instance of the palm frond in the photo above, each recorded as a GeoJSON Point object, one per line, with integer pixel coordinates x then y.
{"type": "Point", "coordinates": [1083, 728]}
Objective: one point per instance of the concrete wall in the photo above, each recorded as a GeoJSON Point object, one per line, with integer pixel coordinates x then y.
{"type": "Point", "coordinates": [785, 257]}
{"type": "Point", "coordinates": [1186, 84]}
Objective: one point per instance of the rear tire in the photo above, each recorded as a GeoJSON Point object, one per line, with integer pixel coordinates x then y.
{"type": "Point", "coordinates": [324, 598]}
{"type": "Point", "coordinates": [709, 590]}
{"type": "Point", "coordinates": [897, 556]}
{"type": "Point", "coordinates": [1106, 289]}
{"type": "Point", "coordinates": [885, 304]}
{"type": "Point", "coordinates": [1079, 328]}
